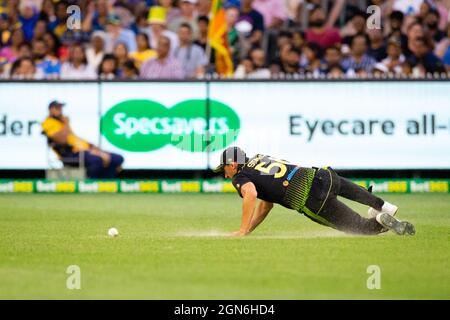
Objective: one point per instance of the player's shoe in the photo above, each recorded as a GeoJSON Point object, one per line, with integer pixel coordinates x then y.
{"type": "Point", "coordinates": [388, 208]}
{"type": "Point", "coordinates": [399, 227]}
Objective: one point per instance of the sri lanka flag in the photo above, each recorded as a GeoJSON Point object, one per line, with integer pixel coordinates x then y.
{"type": "Point", "coordinates": [218, 39]}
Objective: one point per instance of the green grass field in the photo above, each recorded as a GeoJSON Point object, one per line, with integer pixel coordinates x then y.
{"type": "Point", "coordinates": [170, 248]}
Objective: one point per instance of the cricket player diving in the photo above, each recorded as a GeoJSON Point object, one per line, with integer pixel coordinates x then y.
{"type": "Point", "coordinates": [310, 191]}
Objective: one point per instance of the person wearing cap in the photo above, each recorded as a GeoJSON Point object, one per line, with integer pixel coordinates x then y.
{"type": "Point", "coordinates": [310, 191]}
{"type": "Point", "coordinates": [117, 34]}
{"type": "Point", "coordinates": [157, 19]}
{"type": "Point", "coordinates": [72, 150]}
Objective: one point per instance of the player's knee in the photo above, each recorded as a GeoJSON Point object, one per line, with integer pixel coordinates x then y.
{"type": "Point", "coordinates": [116, 159]}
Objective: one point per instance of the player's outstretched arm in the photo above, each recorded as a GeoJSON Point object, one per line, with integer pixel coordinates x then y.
{"type": "Point", "coordinates": [260, 214]}
{"type": "Point", "coordinates": [249, 195]}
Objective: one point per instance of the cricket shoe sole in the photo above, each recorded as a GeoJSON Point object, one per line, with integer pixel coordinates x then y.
{"type": "Point", "coordinates": [399, 227]}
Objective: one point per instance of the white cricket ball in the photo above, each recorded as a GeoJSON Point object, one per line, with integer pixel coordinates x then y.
{"type": "Point", "coordinates": [113, 232]}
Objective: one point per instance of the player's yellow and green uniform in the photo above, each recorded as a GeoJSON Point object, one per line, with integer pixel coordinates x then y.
{"type": "Point", "coordinates": [310, 191]}
{"type": "Point", "coordinates": [74, 144]}
{"type": "Point", "coordinates": [76, 149]}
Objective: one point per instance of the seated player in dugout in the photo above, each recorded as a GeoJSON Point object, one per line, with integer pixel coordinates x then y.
{"type": "Point", "coordinates": [310, 191]}
{"type": "Point", "coordinates": [72, 150]}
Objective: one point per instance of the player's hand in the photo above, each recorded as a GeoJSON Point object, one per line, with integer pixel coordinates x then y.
{"type": "Point", "coordinates": [238, 234]}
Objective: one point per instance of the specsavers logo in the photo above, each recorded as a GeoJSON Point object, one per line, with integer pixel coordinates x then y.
{"type": "Point", "coordinates": [144, 125]}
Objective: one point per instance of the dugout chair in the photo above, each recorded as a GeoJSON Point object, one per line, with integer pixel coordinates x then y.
{"type": "Point", "coordinates": [64, 168]}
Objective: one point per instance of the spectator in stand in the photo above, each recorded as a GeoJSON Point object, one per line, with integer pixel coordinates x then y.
{"type": "Point", "coordinates": [250, 23]}
{"type": "Point", "coordinates": [274, 12]}
{"type": "Point", "coordinates": [188, 14]}
{"type": "Point", "coordinates": [414, 31]}
{"type": "Point", "coordinates": [358, 60]}
{"type": "Point", "coordinates": [53, 45]}
{"type": "Point", "coordinates": [237, 44]}
{"type": "Point", "coordinates": [107, 70]}
{"type": "Point", "coordinates": [377, 47]}
{"type": "Point", "coordinates": [395, 25]}
{"type": "Point", "coordinates": [244, 69]}
{"type": "Point", "coordinates": [24, 50]}
{"type": "Point", "coordinates": [96, 50]}
{"type": "Point", "coordinates": [319, 32]}
{"type": "Point", "coordinates": [423, 59]}
{"type": "Point", "coordinates": [444, 45]}
{"type": "Point", "coordinates": [289, 61]}
{"type": "Point", "coordinates": [202, 39]}
{"type": "Point", "coordinates": [10, 53]}
{"type": "Point", "coordinates": [258, 58]}
{"type": "Point", "coordinates": [356, 25]}
{"type": "Point", "coordinates": [191, 56]}
{"type": "Point", "coordinates": [49, 66]}
{"type": "Point", "coordinates": [443, 7]}
{"type": "Point", "coordinates": [25, 69]}
{"type": "Point", "coordinates": [40, 29]}
{"type": "Point", "coordinates": [59, 25]}
{"type": "Point", "coordinates": [432, 26]}
{"type": "Point", "coordinates": [172, 11]}
{"type": "Point", "coordinates": [254, 67]}
{"type": "Point", "coordinates": [5, 33]}
{"type": "Point", "coordinates": [204, 7]}
{"type": "Point", "coordinates": [332, 59]}
{"type": "Point", "coordinates": [395, 57]}
{"type": "Point", "coordinates": [47, 11]}
{"type": "Point", "coordinates": [76, 68]}
{"type": "Point", "coordinates": [144, 52]}
{"type": "Point", "coordinates": [117, 34]}
{"type": "Point", "coordinates": [298, 39]}
{"type": "Point", "coordinates": [28, 18]}
{"type": "Point", "coordinates": [100, 13]}
{"type": "Point", "coordinates": [164, 66]}
{"type": "Point", "coordinates": [157, 19]}
{"type": "Point", "coordinates": [313, 57]}
{"type": "Point", "coordinates": [121, 53]}
{"type": "Point", "coordinates": [130, 71]}
{"type": "Point", "coordinates": [284, 37]}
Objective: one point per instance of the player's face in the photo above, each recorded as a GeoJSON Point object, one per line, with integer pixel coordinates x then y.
{"type": "Point", "coordinates": [56, 111]}
{"type": "Point", "coordinates": [230, 170]}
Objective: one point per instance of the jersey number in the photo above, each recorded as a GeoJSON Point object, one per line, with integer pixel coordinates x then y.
{"type": "Point", "coordinates": [266, 167]}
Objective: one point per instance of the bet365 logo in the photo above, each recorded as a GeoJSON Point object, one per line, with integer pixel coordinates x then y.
{"type": "Point", "coordinates": [144, 125]}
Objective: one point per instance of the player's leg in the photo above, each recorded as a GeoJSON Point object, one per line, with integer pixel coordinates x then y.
{"type": "Point", "coordinates": [354, 192]}
{"type": "Point", "coordinates": [112, 169]}
{"type": "Point", "coordinates": [94, 165]}
{"type": "Point", "coordinates": [343, 218]}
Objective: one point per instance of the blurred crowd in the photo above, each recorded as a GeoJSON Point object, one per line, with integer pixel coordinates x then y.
{"type": "Point", "coordinates": [168, 39]}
